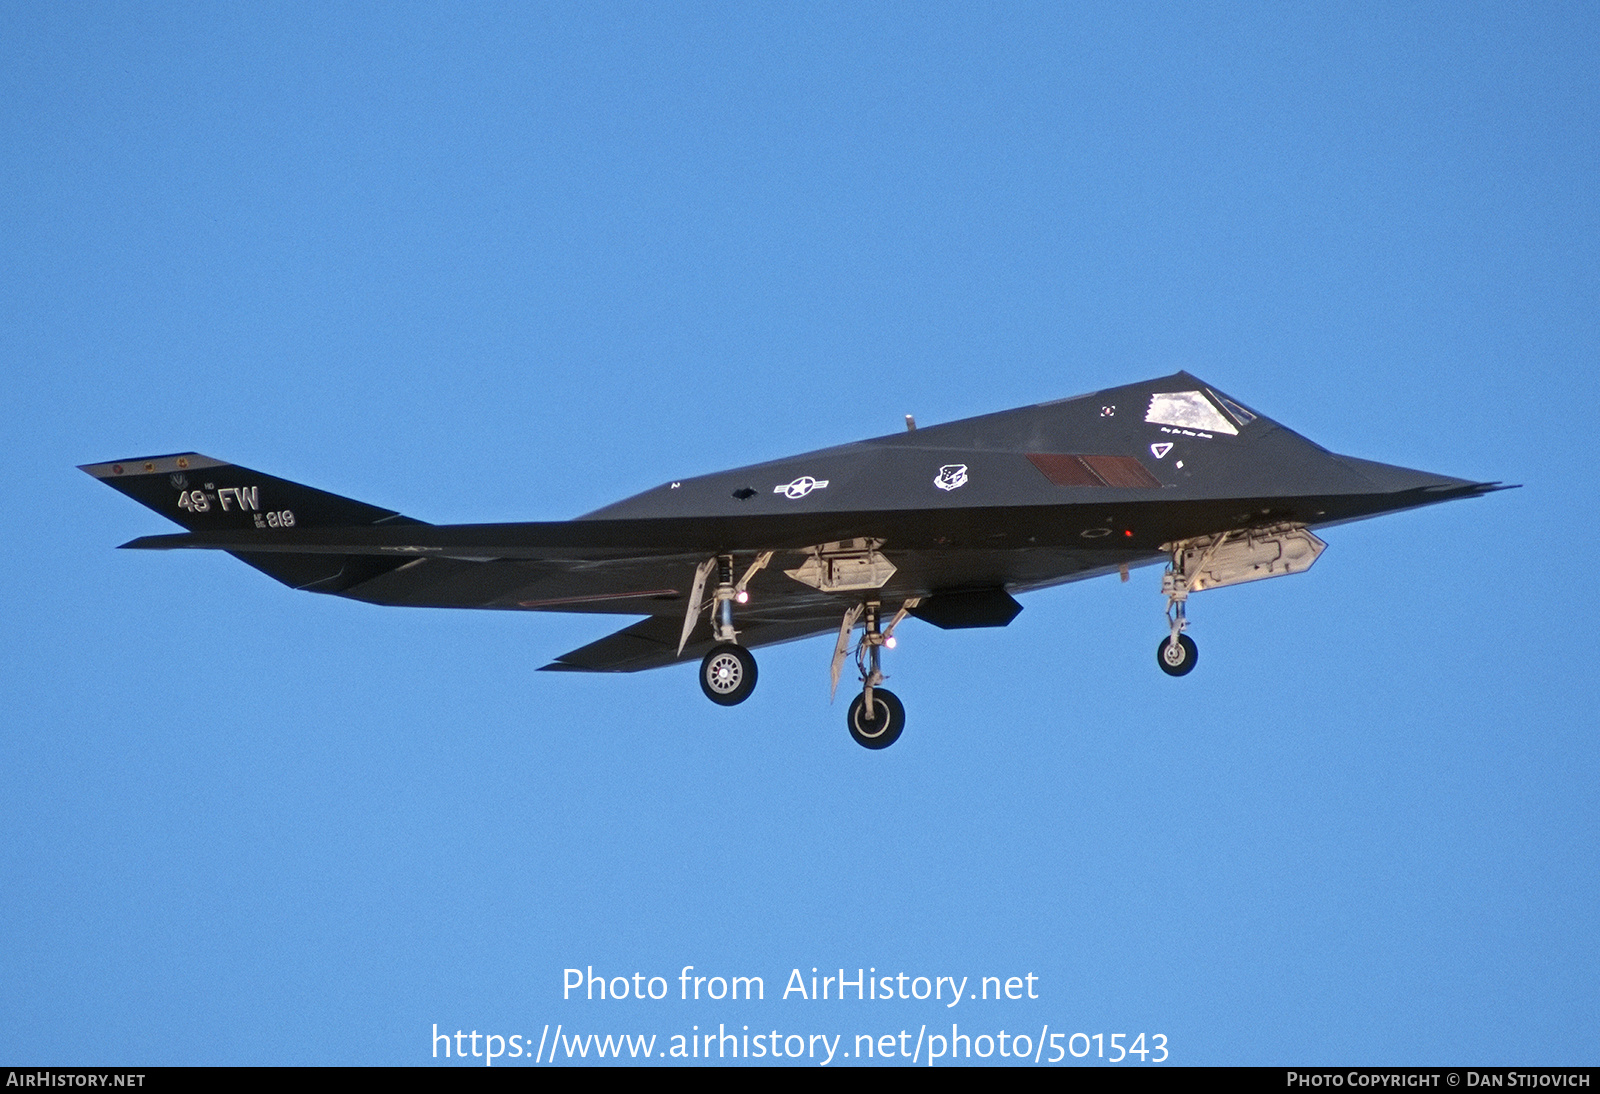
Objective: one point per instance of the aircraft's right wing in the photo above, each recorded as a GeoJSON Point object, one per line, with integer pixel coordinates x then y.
{"type": "Point", "coordinates": [653, 643]}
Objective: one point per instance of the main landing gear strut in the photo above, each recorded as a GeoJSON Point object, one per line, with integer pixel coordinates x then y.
{"type": "Point", "coordinates": [728, 672]}
{"type": "Point", "coordinates": [876, 717]}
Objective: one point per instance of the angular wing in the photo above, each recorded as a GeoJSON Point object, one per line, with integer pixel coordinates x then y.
{"type": "Point", "coordinates": [653, 643]}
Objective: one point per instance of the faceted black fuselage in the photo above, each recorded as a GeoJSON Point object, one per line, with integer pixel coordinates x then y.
{"type": "Point", "coordinates": [968, 512]}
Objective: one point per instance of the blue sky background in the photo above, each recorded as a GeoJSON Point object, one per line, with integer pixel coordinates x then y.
{"type": "Point", "coordinates": [487, 263]}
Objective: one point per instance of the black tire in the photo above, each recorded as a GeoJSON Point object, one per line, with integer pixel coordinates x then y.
{"type": "Point", "coordinates": [885, 729]}
{"type": "Point", "coordinates": [1180, 661]}
{"type": "Point", "coordinates": [728, 674]}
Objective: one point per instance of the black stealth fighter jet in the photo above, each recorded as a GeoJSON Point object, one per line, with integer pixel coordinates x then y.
{"type": "Point", "coordinates": [944, 523]}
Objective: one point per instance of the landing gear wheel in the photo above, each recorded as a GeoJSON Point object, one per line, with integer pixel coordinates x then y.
{"type": "Point", "coordinates": [728, 674]}
{"type": "Point", "coordinates": [1177, 660]}
{"type": "Point", "coordinates": [884, 727]}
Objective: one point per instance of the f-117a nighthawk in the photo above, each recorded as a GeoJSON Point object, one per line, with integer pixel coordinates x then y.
{"type": "Point", "coordinates": [943, 523]}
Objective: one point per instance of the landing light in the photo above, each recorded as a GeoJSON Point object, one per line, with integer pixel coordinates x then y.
{"type": "Point", "coordinates": [890, 641]}
{"type": "Point", "coordinates": [742, 597]}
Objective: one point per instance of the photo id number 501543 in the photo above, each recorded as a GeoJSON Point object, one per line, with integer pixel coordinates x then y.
{"type": "Point", "coordinates": [1082, 1044]}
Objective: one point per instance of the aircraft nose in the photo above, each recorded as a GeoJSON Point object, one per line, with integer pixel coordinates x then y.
{"type": "Point", "coordinates": [1386, 478]}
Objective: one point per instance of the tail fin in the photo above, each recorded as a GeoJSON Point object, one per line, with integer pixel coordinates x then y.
{"type": "Point", "coordinates": [203, 494]}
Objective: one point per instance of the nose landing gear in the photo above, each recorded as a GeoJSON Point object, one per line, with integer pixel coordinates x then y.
{"type": "Point", "coordinates": [1227, 558]}
{"type": "Point", "coordinates": [1177, 653]}
{"type": "Point", "coordinates": [1177, 656]}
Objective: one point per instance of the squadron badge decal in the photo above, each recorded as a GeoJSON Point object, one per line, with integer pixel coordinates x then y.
{"type": "Point", "coordinates": [952, 476]}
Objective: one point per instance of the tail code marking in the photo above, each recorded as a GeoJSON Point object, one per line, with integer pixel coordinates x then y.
{"type": "Point", "coordinates": [245, 497]}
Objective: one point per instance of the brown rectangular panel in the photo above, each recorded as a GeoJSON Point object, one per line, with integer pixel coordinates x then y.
{"type": "Point", "coordinates": [1064, 470]}
{"type": "Point", "coordinates": [1120, 471]}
